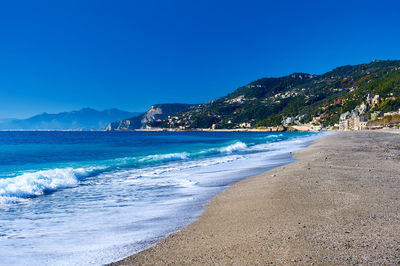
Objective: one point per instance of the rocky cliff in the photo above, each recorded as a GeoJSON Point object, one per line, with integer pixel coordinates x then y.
{"type": "Point", "coordinates": [156, 112]}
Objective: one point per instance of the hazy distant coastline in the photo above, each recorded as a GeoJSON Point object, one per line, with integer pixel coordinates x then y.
{"type": "Point", "coordinates": [86, 119]}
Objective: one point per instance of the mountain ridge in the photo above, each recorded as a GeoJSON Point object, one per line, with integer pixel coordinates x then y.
{"type": "Point", "coordinates": [267, 102]}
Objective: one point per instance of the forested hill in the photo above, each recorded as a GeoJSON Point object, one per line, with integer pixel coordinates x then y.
{"type": "Point", "coordinates": [301, 96]}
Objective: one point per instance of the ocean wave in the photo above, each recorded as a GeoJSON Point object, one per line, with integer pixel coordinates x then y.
{"type": "Point", "coordinates": [229, 149]}
{"type": "Point", "coordinates": [165, 157]}
{"type": "Point", "coordinates": [286, 145]}
{"type": "Point", "coordinates": [272, 136]}
{"type": "Point", "coordinates": [33, 184]}
{"type": "Point", "coordinates": [156, 171]}
{"type": "Point", "coordinates": [238, 146]}
{"type": "Point", "coordinates": [38, 183]}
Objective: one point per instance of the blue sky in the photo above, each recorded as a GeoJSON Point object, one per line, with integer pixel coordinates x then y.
{"type": "Point", "coordinates": [64, 55]}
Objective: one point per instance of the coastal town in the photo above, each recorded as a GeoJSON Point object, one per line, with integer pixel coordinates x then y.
{"type": "Point", "coordinates": [358, 120]}
{"type": "Point", "coordinates": [362, 117]}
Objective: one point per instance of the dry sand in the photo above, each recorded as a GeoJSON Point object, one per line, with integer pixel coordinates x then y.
{"type": "Point", "coordinates": [339, 204]}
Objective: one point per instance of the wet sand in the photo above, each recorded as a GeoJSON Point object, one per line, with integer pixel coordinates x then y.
{"type": "Point", "coordinates": [338, 204]}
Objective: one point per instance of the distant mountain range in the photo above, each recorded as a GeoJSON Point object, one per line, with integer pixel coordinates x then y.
{"type": "Point", "coordinates": [84, 119]}
{"type": "Point", "coordinates": [156, 113]}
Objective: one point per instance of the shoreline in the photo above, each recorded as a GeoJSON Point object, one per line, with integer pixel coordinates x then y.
{"type": "Point", "coordinates": [326, 207]}
{"type": "Point", "coordinates": [126, 210]}
{"type": "Point", "coordinates": [271, 161]}
{"type": "Point", "coordinates": [290, 158]}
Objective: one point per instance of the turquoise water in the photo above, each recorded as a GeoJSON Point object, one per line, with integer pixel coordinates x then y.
{"type": "Point", "coordinates": [90, 198]}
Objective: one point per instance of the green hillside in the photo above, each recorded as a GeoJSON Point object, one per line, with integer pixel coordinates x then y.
{"type": "Point", "coordinates": [268, 101]}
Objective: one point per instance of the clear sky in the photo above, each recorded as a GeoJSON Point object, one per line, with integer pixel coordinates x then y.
{"type": "Point", "coordinates": [64, 55]}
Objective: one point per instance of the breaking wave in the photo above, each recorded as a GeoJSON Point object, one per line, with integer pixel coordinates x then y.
{"type": "Point", "coordinates": [165, 157]}
{"type": "Point", "coordinates": [238, 146]}
{"type": "Point", "coordinates": [159, 158]}
{"type": "Point", "coordinates": [38, 183]}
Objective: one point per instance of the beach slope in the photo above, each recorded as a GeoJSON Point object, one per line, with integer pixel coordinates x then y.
{"type": "Point", "coordinates": [338, 204]}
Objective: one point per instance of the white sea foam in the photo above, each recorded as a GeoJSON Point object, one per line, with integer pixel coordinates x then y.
{"type": "Point", "coordinates": [272, 136]}
{"type": "Point", "coordinates": [238, 146]}
{"type": "Point", "coordinates": [37, 183]}
{"type": "Point", "coordinates": [175, 167]}
{"type": "Point", "coordinates": [288, 145]}
{"type": "Point", "coordinates": [165, 157]}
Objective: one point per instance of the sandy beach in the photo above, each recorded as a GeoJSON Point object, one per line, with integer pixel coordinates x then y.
{"type": "Point", "coordinates": [338, 204]}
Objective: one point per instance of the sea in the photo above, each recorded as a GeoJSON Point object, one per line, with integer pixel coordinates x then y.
{"type": "Point", "coordinates": [91, 198]}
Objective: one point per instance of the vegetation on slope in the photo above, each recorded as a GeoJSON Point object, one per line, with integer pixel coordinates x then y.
{"type": "Point", "coordinates": [268, 101]}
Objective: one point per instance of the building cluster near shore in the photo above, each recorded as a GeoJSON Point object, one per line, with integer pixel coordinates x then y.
{"type": "Point", "coordinates": [363, 117]}
{"type": "Point", "coordinates": [357, 119]}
